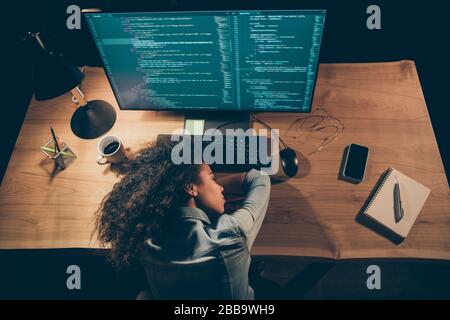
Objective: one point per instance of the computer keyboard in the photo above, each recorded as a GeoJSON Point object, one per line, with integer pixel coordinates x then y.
{"type": "Point", "coordinates": [240, 152]}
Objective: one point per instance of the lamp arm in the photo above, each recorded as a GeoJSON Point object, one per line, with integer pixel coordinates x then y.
{"type": "Point", "coordinates": [78, 96]}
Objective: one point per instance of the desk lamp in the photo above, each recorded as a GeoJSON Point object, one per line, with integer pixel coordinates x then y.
{"type": "Point", "coordinates": [52, 77]}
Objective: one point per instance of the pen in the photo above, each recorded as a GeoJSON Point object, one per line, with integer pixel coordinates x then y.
{"type": "Point", "coordinates": [398, 210]}
{"type": "Point", "coordinates": [54, 139]}
{"type": "Point", "coordinates": [58, 160]}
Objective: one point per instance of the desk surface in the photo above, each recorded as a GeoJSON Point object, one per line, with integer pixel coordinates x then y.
{"type": "Point", "coordinates": [381, 104]}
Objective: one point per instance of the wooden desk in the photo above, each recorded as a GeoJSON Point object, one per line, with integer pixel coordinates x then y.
{"type": "Point", "coordinates": [381, 105]}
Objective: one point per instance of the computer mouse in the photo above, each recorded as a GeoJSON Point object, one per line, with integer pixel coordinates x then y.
{"type": "Point", "coordinates": [289, 162]}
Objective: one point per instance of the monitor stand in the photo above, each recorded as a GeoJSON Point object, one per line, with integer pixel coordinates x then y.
{"type": "Point", "coordinates": [197, 122]}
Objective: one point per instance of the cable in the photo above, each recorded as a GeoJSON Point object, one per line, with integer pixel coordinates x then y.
{"type": "Point", "coordinates": [269, 127]}
{"type": "Point", "coordinates": [74, 99]}
{"type": "Point", "coordinates": [315, 128]}
{"type": "Point", "coordinates": [254, 119]}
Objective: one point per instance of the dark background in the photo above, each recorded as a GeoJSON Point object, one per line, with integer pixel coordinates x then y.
{"type": "Point", "coordinates": [410, 30]}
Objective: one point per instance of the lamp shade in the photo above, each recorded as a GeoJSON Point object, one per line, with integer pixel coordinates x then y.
{"type": "Point", "coordinates": [52, 76]}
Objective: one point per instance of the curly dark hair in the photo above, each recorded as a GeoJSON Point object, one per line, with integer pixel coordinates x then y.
{"type": "Point", "coordinates": [141, 204]}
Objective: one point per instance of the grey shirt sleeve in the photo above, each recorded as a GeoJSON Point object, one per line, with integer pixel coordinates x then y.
{"type": "Point", "coordinates": [250, 216]}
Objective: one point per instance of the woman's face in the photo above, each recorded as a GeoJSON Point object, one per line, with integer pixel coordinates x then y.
{"type": "Point", "coordinates": [209, 193]}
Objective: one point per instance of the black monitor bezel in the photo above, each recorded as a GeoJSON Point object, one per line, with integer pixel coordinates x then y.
{"type": "Point", "coordinates": [216, 110]}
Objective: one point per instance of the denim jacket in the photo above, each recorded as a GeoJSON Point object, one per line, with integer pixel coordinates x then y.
{"type": "Point", "coordinates": [200, 258]}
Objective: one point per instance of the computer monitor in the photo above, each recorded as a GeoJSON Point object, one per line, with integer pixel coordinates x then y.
{"type": "Point", "coordinates": [250, 61]}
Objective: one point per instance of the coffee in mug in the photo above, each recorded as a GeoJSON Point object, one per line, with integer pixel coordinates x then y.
{"type": "Point", "coordinates": [111, 150]}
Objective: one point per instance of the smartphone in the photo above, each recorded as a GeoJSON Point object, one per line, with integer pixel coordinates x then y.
{"type": "Point", "coordinates": [355, 161]}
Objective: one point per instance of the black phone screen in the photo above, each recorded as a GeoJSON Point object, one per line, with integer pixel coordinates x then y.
{"type": "Point", "coordinates": [356, 162]}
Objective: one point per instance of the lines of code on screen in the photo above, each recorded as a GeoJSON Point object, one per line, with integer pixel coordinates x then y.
{"type": "Point", "coordinates": [227, 60]}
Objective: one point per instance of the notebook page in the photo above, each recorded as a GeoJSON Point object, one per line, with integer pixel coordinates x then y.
{"type": "Point", "coordinates": [413, 196]}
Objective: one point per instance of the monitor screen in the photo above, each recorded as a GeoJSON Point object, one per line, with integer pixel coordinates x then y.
{"type": "Point", "coordinates": [258, 61]}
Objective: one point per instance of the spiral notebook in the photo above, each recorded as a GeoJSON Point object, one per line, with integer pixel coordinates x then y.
{"type": "Point", "coordinates": [380, 204]}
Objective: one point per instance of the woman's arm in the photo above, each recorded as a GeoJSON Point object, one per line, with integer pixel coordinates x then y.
{"type": "Point", "coordinates": [251, 214]}
{"type": "Point", "coordinates": [232, 183]}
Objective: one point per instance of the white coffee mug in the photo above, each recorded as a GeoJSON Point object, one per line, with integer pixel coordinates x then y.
{"type": "Point", "coordinates": [111, 150]}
